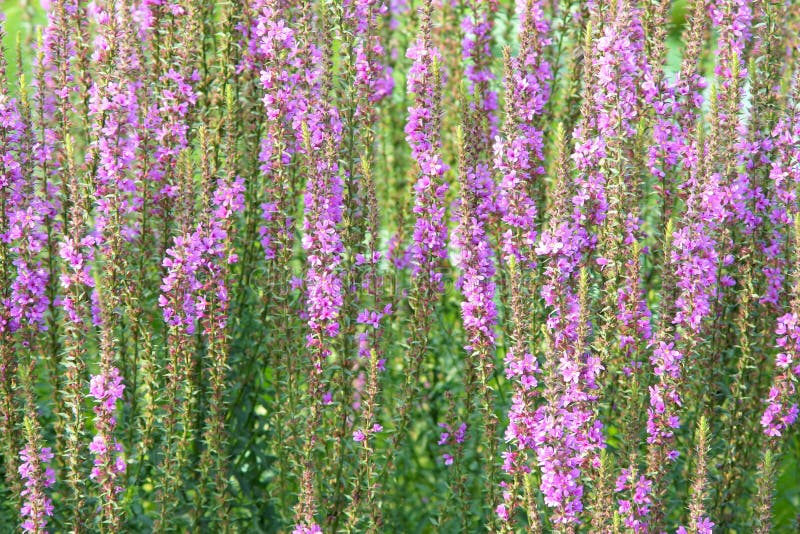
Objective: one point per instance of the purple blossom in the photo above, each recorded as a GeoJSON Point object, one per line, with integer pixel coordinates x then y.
{"type": "Point", "coordinates": [519, 161]}
{"type": "Point", "coordinates": [116, 130]}
{"type": "Point", "coordinates": [634, 511]}
{"type": "Point", "coordinates": [37, 475]}
{"type": "Point", "coordinates": [568, 434]}
{"type": "Point", "coordinates": [478, 309]}
{"type": "Point", "coordinates": [422, 133]}
{"type": "Point", "coordinates": [109, 464]}
{"type": "Point", "coordinates": [452, 438]}
{"type": "Point", "coordinates": [196, 264]}
{"type": "Point", "coordinates": [704, 525]}
{"type": "Point", "coordinates": [519, 152]}
{"type": "Point", "coordinates": [476, 50]}
{"type": "Point", "coordinates": [26, 214]}
{"type": "Point", "coordinates": [782, 408]}
{"type": "Point", "coordinates": [277, 57]}
{"type": "Point", "coordinates": [323, 245]}
{"type": "Point", "coordinates": [373, 78]}
{"type": "Point", "coordinates": [307, 529]}
{"type": "Point", "coordinates": [784, 175]}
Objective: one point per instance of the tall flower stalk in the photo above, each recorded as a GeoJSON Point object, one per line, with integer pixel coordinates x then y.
{"type": "Point", "coordinates": [519, 155]}
{"type": "Point", "coordinates": [429, 239]}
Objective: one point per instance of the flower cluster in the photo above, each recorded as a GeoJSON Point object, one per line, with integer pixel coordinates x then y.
{"type": "Point", "coordinates": [782, 409]}
{"type": "Point", "coordinates": [422, 134]}
{"type": "Point", "coordinates": [109, 463]}
{"type": "Point", "coordinates": [450, 437]}
{"type": "Point", "coordinates": [24, 230]}
{"type": "Point", "coordinates": [519, 153]}
{"type": "Point", "coordinates": [35, 470]}
{"type": "Point", "coordinates": [194, 263]}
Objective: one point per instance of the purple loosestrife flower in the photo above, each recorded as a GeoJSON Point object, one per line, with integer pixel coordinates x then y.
{"type": "Point", "coordinates": [635, 335]}
{"type": "Point", "coordinates": [276, 55]}
{"type": "Point", "coordinates": [170, 98]}
{"type": "Point", "coordinates": [115, 109]}
{"type": "Point", "coordinates": [168, 119]}
{"type": "Point", "coordinates": [564, 416]}
{"type": "Point", "coordinates": [664, 395]}
{"type": "Point", "coordinates": [766, 155]}
{"type": "Point", "coordinates": [323, 244]}
{"type": "Point", "coordinates": [194, 292]}
{"type": "Point", "coordinates": [373, 82]}
{"type": "Point", "coordinates": [114, 112]}
{"type": "Point", "coordinates": [368, 339]}
{"type": "Point", "coordinates": [620, 78]}
{"type": "Point", "coordinates": [26, 214]}
{"type": "Point", "coordinates": [694, 260]}
{"type": "Point", "coordinates": [677, 106]}
{"type": "Point", "coordinates": [425, 78]}
{"type": "Point", "coordinates": [634, 510]}
{"type": "Point", "coordinates": [519, 152]}
{"type": "Point", "coordinates": [734, 19]}
{"type": "Point", "coordinates": [195, 262]}
{"type": "Point", "coordinates": [181, 284]}
{"type": "Point", "coordinates": [373, 78]}
{"type": "Point", "coordinates": [12, 130]}
{"type": "Point", "coordinates": [695, 256]}
{"type": "Point", "coordinates": [664, 154]}
{"type": "Point", "coordinates": [565, 432]}
{"type": "Point", "coordinates": [320, 129]}
{"type": "Point", "coordinates": [37, 475]}
{"type": "Point", "coordinates": [782, 408]}
{"type": "Point", "coordinates": [475, 260]}
{"type": "Point", "coordinates": [477, 285]}
{"type": "Point", "coordinates": [451, 438]}
{"type": "Point", "coordinates": [302, 120]}
{"type": "Point", "coordinates": [703, 526]}
{"type": "Point", "coordinates": [737, 190]}
{"type": "Point", "coordinates": [694, 253]}
{"type": "Point", "coordinates": [476, 210]}
{"type": "Point", "coordinates": [632, 314]}
{"type": "Point", "coordinates": [307, 529]}
{"type": "Point", "coordinates": [109, 464]}
{"type": "Point", "coordinates": [12, 185]}
{"type": "Point", "coordinates": [784, 175]}
{"type": "Point", "coordinates": [53, 54]}
{"type": "Point", "coordinates": [519, 162]}
{"type": "Point", "coordinates": [568, 432]}
{"type": "Point", "coordinates": [78, 257]}
{"type": "Point", "coordinates": [291, 68]}
{"type": "Point", "coordinates": [55, 81]}
{"type": "Point", "coordinates": [476, 50]}
{"type": "Point", "coordinates": [53, 41]}
{"type": "Point", "coordinates": [522, 369]}
{"type": "Point", "coordinates": [29, 300]}
{"type": "Point", "coordinates": [227, 202]}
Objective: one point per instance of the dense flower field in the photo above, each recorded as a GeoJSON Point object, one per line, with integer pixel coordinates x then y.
{"type": "Point", "coordinates": [400, 266]}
